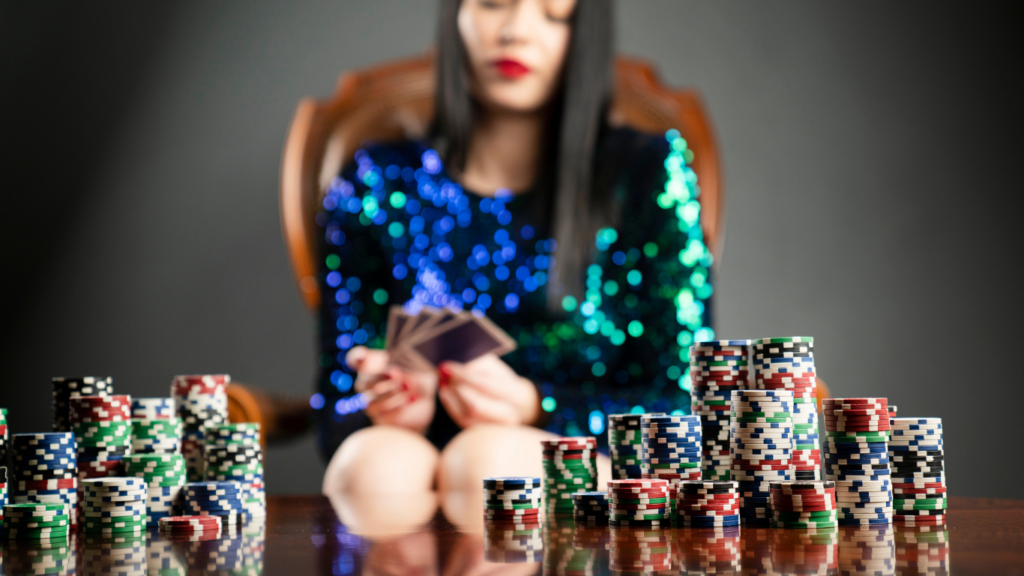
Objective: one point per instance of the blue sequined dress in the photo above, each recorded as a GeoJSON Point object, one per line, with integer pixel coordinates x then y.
{"type": "Point", "coordinates": [396, 229]}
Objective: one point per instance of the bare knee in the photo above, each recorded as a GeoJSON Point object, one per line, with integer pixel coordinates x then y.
{"type": "Point", "coordinates": [490, 450]}
{"type": "Point", "coordinates": [382, 459]}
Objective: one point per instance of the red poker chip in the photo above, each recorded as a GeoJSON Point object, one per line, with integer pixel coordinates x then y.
{"type": "Point", "coordinates": [857, 419]}
{"type": "Point", "coordinates": [613, 507]}
{"type": "Point", "coordinates": [881, 401]}
{"type": "Point", "coordinates": [804, 506]}
{"type": "Point", "coordinates": [521, 513]}
{"type": "Point", "coordinates": [716, 506]}
{"type": "Point", "coordinates": [774, 464]}
{"type": "Point", "coordinates": [708, 497]}
{"type": "Point", "coordinates": [569, 443]}
{"type": "Point", "coordinates": [855, 411]}
{"type": "Point", "coordinates": [805, 495]}
{"type": "Point", "coordinates": [570, 456]}
{"type": "Point", "coordinates": [919, 520]}
{"type": "Point", "coordinates": [62, 484]}
{"type": "Point", "coordinates": [638, 483]}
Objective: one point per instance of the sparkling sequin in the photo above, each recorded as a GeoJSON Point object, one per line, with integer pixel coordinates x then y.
{"type": "Point", "coordinates": [397, 229]}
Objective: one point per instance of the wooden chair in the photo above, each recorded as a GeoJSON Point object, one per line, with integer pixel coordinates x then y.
{"type": "Point", "coordinates": [395, 101]}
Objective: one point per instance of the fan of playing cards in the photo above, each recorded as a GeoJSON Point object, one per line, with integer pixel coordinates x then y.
{"type": "Point", "coordinates": [423, 341]}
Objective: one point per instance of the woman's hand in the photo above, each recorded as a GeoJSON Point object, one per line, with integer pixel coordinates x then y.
{"type": "Point", "coordinates": [396, 397]}
{"type": "Point", "coordinates": [486, 390]}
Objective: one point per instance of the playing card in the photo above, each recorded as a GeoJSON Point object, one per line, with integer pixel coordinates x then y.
{"type": "Point", "coordinates": [462, 339]}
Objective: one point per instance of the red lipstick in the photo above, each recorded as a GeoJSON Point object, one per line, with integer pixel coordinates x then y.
{"type": "Point", "coordinates": [510, 68]}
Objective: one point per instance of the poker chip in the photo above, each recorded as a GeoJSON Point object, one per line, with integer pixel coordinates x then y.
{"type": "Point", "coordinates": [564, 474]}
{"type": "Point", "coordinates": [45, 470]}
{"type": "Point", "coordinates": [801, 504]}
{"type": "Point", "coordinates": [114, 505]}
{"type": "Point", "coordinates": [707, 504]}
{"type": "Point", "coordinates": [164, 477]}
{"type": "Point", "coordinates": [590, 508]}
{"type": "Point", "coordinates": [856, 458]}
{"type": "Point", "coordinates": [36, 521]}
{"type": "Point", "coordinates": [222, 498]}
{"type": "Point", "coordinates": [639, 501]}
{"type": "Point", "coordinates": [202, 402]}
{"type": "Point", "coordinates": [232, 452]}
{"type": "Point", "coordinates": [190, 524]}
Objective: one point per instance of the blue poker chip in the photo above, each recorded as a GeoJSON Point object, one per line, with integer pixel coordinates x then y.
{"type": "Point", "coordinates": [701, 522]}
{"type": "Point", "coordinates": [722, 343]}
{"type": "Point", "coordinates": [512, 482]}
{"type": "Point", "coordinates": [688, 449]}
{"type": "Point", "coordinates": [853, 449]}
{"type": "Point", "coordinates": [763, 426]}
{"type": "Point", "coordinates": [874, 509]}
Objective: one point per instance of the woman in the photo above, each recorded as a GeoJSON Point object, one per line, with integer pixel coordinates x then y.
{"type": "Point", "coordinates": [582, 241]}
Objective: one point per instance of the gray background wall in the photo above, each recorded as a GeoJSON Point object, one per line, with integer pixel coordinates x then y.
{"type": "Point", "coordinates": [869, 150]}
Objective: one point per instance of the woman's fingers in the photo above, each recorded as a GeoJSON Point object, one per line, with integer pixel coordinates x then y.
{"type": "Point", "coordinates": [373, 367]}
{"type": "Point", "coordinates": [384, 396]}
{"type": "Point", "coordinates": [482, 407]}
{"type": "Point", "coordinates": [355, 357]}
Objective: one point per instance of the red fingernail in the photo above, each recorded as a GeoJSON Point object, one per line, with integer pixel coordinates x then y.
{"type": "Point", "coordinates": [412, 399]}
{"type": "Point", "coordinates": [405, 387]}
{"type": "Point", "coordinates": [444, 371]}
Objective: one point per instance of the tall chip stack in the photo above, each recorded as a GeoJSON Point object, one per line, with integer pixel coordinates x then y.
{"type": "Point", "coordinates": [164, 477]}
{"type": "Point", "coordinates": [918, 472]}
{"type": "Point", "coordinates": [570, 465]}
{"type": "Point", "coordinates": [857, 459]}
{"type": "Point", "coordinates": [233, 452]}
{"type": "Point", "coordinates": [761, 445]}
{"type": "Point", "coordinates": [103, 429]}
{"type": "Point", "coordinates": [202, 401]}
{"type": "Point", "coordinates": [671, 451]}
{"type": "Point", "coordinates": [624, 445]}
{"type": "Point", "coordinates": [717, 368]}
{"type": "Point", "coordinates": [788, 364]}
{"type": "Point", "coordinates": [4, 438]}
{"type": "Point", "coordinates": [156, 428]}
{"type": "Point", "coordinates": [45, 470]}
{"type": "Point", "coordinates": [639, 503]}
{"type": "Point", "coordinates": [64, 389]}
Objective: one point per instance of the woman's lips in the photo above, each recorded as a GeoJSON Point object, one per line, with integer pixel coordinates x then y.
{"type": "Point", "coordinates": [510, 68]}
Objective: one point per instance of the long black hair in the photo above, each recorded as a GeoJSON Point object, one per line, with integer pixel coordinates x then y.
{"type": "Point", "coordinates": [577, 121]}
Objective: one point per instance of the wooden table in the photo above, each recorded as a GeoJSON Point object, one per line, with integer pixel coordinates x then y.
{"type": "Point", "coordinates": [304, 535]}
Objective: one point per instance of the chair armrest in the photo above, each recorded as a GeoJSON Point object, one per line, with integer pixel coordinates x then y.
{"type": "Point", "coordinates": [281, 417]}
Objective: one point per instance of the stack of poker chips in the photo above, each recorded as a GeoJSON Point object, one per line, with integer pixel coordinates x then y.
{"type": "Point", "coordinates": [234, 452]}
{"type": "Point", "coordinates": [717, 368]}
{"type": "Point", "coordinates": [869, 550]}
{"type": "Point", "coordinates": [513, 541]}
{"type": "Point", "coordinates": [114, 506]}
{"type": "Point", "coordinates": [708, 504]}
{"type": "Point", "coordinates": [36, 521]}
{"type": "Point", "coordinates": [155, 427]}
{"type": "Point", "coordinates": [761, 445]}
{"type": "Point", "coordinates": [3, 438]}
{"type": "Point", "coordinates": [202, 402]}
{"type": "Point", "coordinates": [45, 470]}
{"type": "Point", "coordinates": [804, 504]}
{"type": "Point", "coordinates": [857, 459]}
{"type": "Point", "coordinates": [922, 550]}
{"type": "Point", "coordinates": [711, 551]}
{"type": "Point", "coordinates": [64, 389]}
{"type": "Point", "coordinates": [639, 551]}
{"type": "Point", "coordinates": [590, 508]}
{"type": "Point", "coordinates": [121, 555]}
{"type": "Point", "coordinates": [3, 494]}
{"type": "Point", "coordinates": [512, 500]}
{"type": "Point", "coordinates": [788, 364]}
{"type": "Point", "coordinates": [222, 499]}
{"type": "Point", "coordinates": [671, 451]}
{"type": "Point", "coordinates": [570, 465]}
{"type": "Point", "coordinates": [103, 428]}
{"type": "Point", "coordinates": [624, 445]}
{"type": "Point", "coordinates": [190, 525]}
{"type": "Point", "coordinates": [164, 477]}
{"type": "Point", "coordinates": [918, 474]}
{"type": "Point", "coordinates": [639, 503]}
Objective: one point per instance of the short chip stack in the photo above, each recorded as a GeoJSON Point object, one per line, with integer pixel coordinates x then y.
{"type": "Point", "coordinates": [103, 428]}
{"type": "Point", "coordinates": [233, 452]}
{"type": "Point", "coordinates": [570, 465]}
{"type": "Point", "coordinates": [512, 500]}
{"type": "Point", "coordinates": [639, 551]}
{"type": "Point", "coordinates": [788, 364]}
{"type": "Point", "coordinates": [222, 499]}
{"type": "Point", "coordinates": [202, 402]}
{"type": "Point", "coordinates": [804, 504]}
{"type": "Point", "coordinates": [36, 521]}
{"type": "Point", "coordinates": [918, 471]}
{"type": "Point", "coordinates": [857, 459]}
{"type": "Point", "coordinates": [64, 389]}
{"type": "Point", "coordinates": [190, 525]}
{"type": "Point", "coordinates": [590, 508]}
{"type": "Point", "coordinates": [155, 427]}
{"type": "Point", "coordinates": [624, 445]}
{"type": "Point", "coordinates": [639, 503]}
{"type": "Point", "coordinates": [164, 476]}
{"type": "Point", "coordinates": [708, 504]}
{"type": "Point", "coordinates": [114, 506]}
{"type": "Point", "coordinates": [45, 470]}
{"type": "Point", "coordinates": [761, 447]}
{"type": "Point", "coordinates": [717, 368]}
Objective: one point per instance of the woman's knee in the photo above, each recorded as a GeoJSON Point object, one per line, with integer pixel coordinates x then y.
{"type": "Point", "coordinates": [490, 450]}
{"type": "Point", "coordinates": [382, 459]}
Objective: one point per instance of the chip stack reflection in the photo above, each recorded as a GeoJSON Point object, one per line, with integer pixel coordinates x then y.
{"type": "Point", "coordinates": [805, 551]}
{"type": "Point", "coordinates": [162, 558]}
{"type": "Point", "coordinates": [867, 550]}
{"type": "Point", "coordinates": [510, 543]}
{"type": "Point", "coordinates": [124, 555]}
{"type": "Point", "coordinates": [709, 550]}
{"type": "Point", "coordinates": [57, 557]}
{"type": "Point", "coordinates": [756, 546]}
{"type": "Point", "coordinates": [922, 550]}
{"type": "Point", "coordinates": [559, 554]}
{"type": "Point", "coordinates": [594, 540]}
{"type": "Point", "coordinates": [639, 551]}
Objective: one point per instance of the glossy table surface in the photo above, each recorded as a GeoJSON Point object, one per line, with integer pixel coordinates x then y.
{"type": "Point", "coordinates": [425, 535]}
